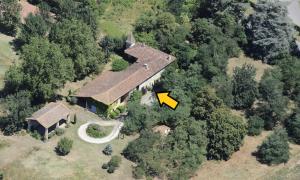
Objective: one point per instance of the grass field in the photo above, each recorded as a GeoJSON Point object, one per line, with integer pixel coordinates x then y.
{"type": "Point", "coordinates": [38, 160]}
{"type": "Point", "coordinates": [118, 21]}
{"type": "Point", "coordinates": [243, 165]}
{"type": "Point", "coordinates": [7, 55]}
{"type": "Point", "coordinates": [241, 60]}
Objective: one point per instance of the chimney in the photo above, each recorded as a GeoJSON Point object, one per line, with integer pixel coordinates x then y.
{"type": "Point", "coordinates": [146, 66]}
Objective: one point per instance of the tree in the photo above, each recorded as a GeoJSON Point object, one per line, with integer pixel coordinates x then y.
{"type": "Point", "coordinates": [34, 26]}
{"type": "Point", "coordinates": [255, 125]}
{"type": "Point", "coordinates": [64, 146]}
{"type": "Point", "coordinates": [293, 127]}
{"type": "Point", "coordinates": [77, 43]}
{"type": "Point", "coordinates": [225, 134]}
{"type": "Point", "coordinates": [224, 87]}
{"type": "Point", "coordinates": [9, 16]}
{"type": "Point", "coordinates": [18, 107]}
{"type": "Point", "coordinates": [244, 86]}
{"type": "Point", "coordinates": [205, 103]}
{"type": "Point", "coordinates": [269, 31]}
{"type": "Point", "coordinates": [44, 69]}
{"type": "Point", "coordinates": [273, 109]}
{"type": "Point", "coordinates": [107, 150]}
{"type": "Point", "coordinates": [275, 149]}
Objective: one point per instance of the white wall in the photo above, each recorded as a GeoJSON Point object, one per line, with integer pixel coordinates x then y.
{"type": "Point", "coordinates": [150, 82]}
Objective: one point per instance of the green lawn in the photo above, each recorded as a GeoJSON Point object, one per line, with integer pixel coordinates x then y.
{"type": "Point", "coordinates": [7, 55]}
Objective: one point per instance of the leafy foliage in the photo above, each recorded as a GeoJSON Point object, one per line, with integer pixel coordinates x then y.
{"type": "Point", "coordinates": [244, 86]}
{"type": "Point", "coordinates": [64, 146]}
{"type": "Point", "coordinates": [255, 125]}
{"type": "Point", "coordinates": [10, 16]}
{"type": "Point", "coordinates": [95, 130]}
{"type": "Point", "coordinates": [77, 43]}
{"type": "Point", "coordinates": [225, 133]}
{"type": "Point", "coordinates": [107, 150]}
{"type": "Point", "coordinates": [18, 107]}
{"type": "Point", "coordinates": [293, 127]}
{"type": "Point", "coordinates": [119, 64]}
{"type": "Point", "coordinates": [269, 31]}
{"type": "Point", "coordinates": [275, 149]}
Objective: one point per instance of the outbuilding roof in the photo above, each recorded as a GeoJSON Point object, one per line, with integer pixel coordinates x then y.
{"type": "Point", "coordinates": [110, 86]}
{"type": "Point", "coordinates": [50, 114]}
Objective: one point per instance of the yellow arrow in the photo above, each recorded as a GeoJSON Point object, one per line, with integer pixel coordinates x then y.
{"type": "Point", "coordinates": [164, 98]}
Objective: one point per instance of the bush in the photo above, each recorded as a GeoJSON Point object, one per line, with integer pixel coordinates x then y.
{"type": "Point", "coordinates": [275, 149]}
{"type": "Point", "coordinates": [122, 109]}
{"type": "Point", "coordinates": [111, 169]}
{"type": "Point", "coordinates": [107, 150]}
{"type": "Point", "coordinates": [104, 166]}
{"type": "Point", "coordinates": [114, 114]}
{"type": "Point", "coordinates": [119, 64]}
{"type": "Point", "coordinates": [75, 119]}
{"type": "Point", "coordinates": [94, 130]}
{"type": "Point", "coordinates": [64, 146]}
{"type": "Point", "coordinates": [255, 125]}
{"type": "Point", "coordinates": [138, 172]}
{"type": "Point", "coordinates": [293, 128]}
{"type": "Point", "coordinates": [114, 161]}
{"type": "Point", "coordinates": [36, 135]}
{"type": "Point", "coordinates": [59, 131]}
{"type": "Point", "coordinates": [1, 175]}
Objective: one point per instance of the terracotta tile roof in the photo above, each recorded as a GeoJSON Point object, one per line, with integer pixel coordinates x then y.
{"type": "Point", "coordinates": [51, 114]}
{"type": "Point", "coordinates": [110, 86]}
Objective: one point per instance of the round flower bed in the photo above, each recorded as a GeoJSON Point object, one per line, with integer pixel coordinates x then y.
{"type": "Point", "coordinates": [96, 131]}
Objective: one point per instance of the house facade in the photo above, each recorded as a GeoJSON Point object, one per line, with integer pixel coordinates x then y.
{"type": "Point", "coordinates": [112, 89]}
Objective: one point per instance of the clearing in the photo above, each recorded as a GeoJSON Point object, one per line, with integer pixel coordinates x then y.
{"type": "Point", "coordinates": [242, 165]}
{"type": "Point", "coordinates": [118, 19]}
{"type": "Point", "coordinates": [241, 60]}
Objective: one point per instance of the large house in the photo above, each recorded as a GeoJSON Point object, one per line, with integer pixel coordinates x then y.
{"type": "Point", "coordinates": [111, 89]}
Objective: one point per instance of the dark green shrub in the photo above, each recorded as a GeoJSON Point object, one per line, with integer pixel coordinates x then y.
{"type": "Point", "coordinates": [75, 119]}
{"type": "Point", "coordinates": [95, 130]}
{"type": "Point", "coordinates": [104, 166]}
{"type": "Point", "coordinates": [107, 150]}
{"type": "Point", "coordinates": [119, 64]}
{"type": "Point", "coordinates": [111, 169]}
{"type": "Point", "coordinates": [64, 146]}
{"type": "Point", "coordinates": [59, 131]}
{"type": "Point", "coordinates": [138, 172]}
{"type": "Point", "coordinates": [1, 175]}
{"type": "Point", "coordinates": [275, 149]}
{"type": "Point", "coordinates": [293, 128]}
{"type": "Point", "coordinates": [255, 125]}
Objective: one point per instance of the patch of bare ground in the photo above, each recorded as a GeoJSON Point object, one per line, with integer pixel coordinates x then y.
{"type": "Point", "coordinates": [243, 165]}
{"type": "Point", "coordinates": [241, 60]}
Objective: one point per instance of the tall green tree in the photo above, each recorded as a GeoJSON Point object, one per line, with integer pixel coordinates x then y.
{"type": "Point", "coordinates": [269, 31]}
{"type": "Point", "coordinates": [244, 86]}
{"type": "Point", "coordinates": [44, 69]}
{"type": "Point", "coordinates": [275, 149]}
{"type": "Point", "coordinates": [77, 43]}
{"type": "Point", "coordinates": [205, 103]}
{"type": "Point", "coordinates": [225, 134]}
{"type": "Point", "coordinates": [18, 108]}
{"type": "Point", "coordinates": [293, 127]}
{"type": "Point", "coordinates": [273, 109]}
{"type": "Point", "coordinates": [10, 16]}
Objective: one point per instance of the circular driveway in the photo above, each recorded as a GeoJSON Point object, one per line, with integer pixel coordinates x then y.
{"type": "Point", "coordinates": [114, 133]}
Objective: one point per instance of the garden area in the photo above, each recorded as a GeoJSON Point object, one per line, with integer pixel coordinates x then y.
{"type": "Point", "coordinates": [96, 131]}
